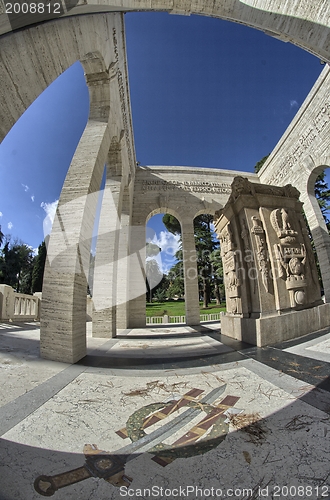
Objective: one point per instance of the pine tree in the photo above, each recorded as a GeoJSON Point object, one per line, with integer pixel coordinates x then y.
{"type": "Point", "coordinates": [38, 268]}
{"type": "Point", "coordinates": [205, 245]}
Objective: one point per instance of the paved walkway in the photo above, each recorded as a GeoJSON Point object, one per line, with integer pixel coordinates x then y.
{"type": "Point", "coordinates": [190, 414]}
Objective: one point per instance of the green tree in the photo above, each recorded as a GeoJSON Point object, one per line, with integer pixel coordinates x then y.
{"type": "Point", "coordinates": [322, 193]}
{"type": "Point", "coordinates": [153, 275]}
{"type": "Point", "coordinates": [260, 163]}
{"type": "Point", "coordinates": [172, 224]}
{"type": "Point", "coordinates": [205, 245]}
{"type": "Point", "coordinates": [2, 236]}
{"type": "Point", "coordinates": [38, 268]}
{"type": "Point", "coordinates": [16, 265]}
{"type": "Point", "coordinates": [217, 272]}
{"type": "Point", "coordinates": [175, 281]}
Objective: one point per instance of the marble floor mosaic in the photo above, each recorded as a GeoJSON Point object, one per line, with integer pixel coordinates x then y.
{"type": "Point", "coordinates": [181, 415]}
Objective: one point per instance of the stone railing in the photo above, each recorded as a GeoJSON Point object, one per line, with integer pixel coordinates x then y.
{"type": "Point", "coordinates": [163, 320]}
{"type": "Point", "coordinates": [18, 306]}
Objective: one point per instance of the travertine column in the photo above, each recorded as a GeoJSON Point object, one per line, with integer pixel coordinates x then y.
{"type": "Point", "coordinates": [137, 276]}
{"type": "Point", "coordinates": [63, 310]}
{"type": "Point", "coordinates": [123, 260]}
{"type": "Point", "coordinates": [106, 258]}
{"type": "Point", "coordinates": [320, 236]}
{"type": "Point", "coordinates": [191, 291]}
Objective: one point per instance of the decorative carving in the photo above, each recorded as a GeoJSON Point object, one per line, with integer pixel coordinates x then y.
{"type": "Point", "coordinates": [241, 185]}
{"type": "Point", "coordinates": [280, 220]}
{"type": "Point", "coordinates": [229, 258]}
{"type": "Point", "coordinates": [290, 260]}
{"type": "Point", "coordinates": [226, 240]}
{"type": "Point", "coordinates": [262, 255]}
{"type": "Point", "coordinates": [249, 259]}
{"type": "Point", "coordinates": [291, 267]}
{"type": "Point", "coordinates": [309, 251]}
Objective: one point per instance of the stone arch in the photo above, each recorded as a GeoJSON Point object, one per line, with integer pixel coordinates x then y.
{"type": "Point", "coordinates": [316, 221]}
{"type": "Point", "coordinates": [53, 48]}
{"type": "Point", "coordinates": [305, 24]}
{"type": "Point", "coordinates": [137, 272]}
{"type": "Point", "coordinates": [66, 272]}
{"type": "Point", "coordinates": [163, 210]}
{"type": "Point", "coordinates": [157, 211]}
{"type": "Point", "coordinates": [206, 210]}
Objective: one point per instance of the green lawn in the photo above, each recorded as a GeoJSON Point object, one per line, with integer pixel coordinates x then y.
{"type": "Point", "coordinates": [177, 308]}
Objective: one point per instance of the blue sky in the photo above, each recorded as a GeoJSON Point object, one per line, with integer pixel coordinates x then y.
{"type": "Point", "coordinates": [204, 92]}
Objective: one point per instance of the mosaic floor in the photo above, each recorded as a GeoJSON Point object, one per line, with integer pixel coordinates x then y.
{"type": "Point", "coordinates": [165, 413]}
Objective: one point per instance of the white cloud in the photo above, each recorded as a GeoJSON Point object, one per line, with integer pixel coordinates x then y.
{"type": "Point", "coordinates": [10, 225]}
{"type": "Point", "coordinates": [34, 250]}
{"type": "Point", "coordinates": [32, 197]}
{"type": "Point", "coordinates": [26, 188]}
{"type": "Point", "coordinates": [169, 244]}
{"type": "Point", "coordinates": [50, 209]}
{"type": "Point", "coordinates": [293, 104]}
{"type": "Point", "coordinates": [1, 214]}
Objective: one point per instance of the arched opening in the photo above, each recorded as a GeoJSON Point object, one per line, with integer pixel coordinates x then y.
{"type": "Point", "coordinates": [316, 208]}
{"type": "Point", "coordinates": [164, 272]}
{"type": "Point", "coordinates": [209, 266]}
{"type": "Point", "coordinates": [36, 154]}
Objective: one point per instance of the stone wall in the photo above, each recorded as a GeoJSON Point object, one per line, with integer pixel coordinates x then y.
{"type": "Point", "coordinates": [300, 155]}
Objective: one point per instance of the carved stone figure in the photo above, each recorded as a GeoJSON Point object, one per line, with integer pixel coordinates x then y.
{"type": "Point", "coordinates": [296, 267]}
{"type": "Point", "coordinates": [280, 220]}
{"type": "Point", "coordinates": [262, 257]}
{"type": "Point", "coordinates": [241, 185]}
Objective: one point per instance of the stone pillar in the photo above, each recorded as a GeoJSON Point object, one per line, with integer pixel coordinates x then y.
{"type": "Point", "coordinates": [123, 261]}
{"type": "Point", "coordinates": [191, 291]}
{"type": "Point", "coordinates": [272, 288]}
{"type": "Point", "coordinates": [63, 307]}
{"type": "Point", "coordinates": [106, 258]}
{"type": "Point", "coordinates": [320, 236]}
{"type": "Point", "coordinates": [137, 276]}
{"type": "Point", "coordinates": [7, 302]}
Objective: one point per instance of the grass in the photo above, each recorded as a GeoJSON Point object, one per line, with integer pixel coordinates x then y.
{"type": "Point", "coordinates": [177, 308]}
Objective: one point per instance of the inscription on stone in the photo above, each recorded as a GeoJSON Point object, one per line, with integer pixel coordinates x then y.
{"type": "Point", "coordinates": [319, 123]}
{"type": "Point", "coordinates": [192, 186]}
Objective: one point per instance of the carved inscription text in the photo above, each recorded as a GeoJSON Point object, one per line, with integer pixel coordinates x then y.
{"type": "Point", "coordinates": [192, 186]}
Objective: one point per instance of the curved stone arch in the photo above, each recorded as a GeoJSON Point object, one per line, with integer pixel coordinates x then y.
{"type": "Point", "coordinates": [206, 211]}
{"type": "Point", "coordinates": [31, 59]}
{"type": "Point", "coordinates": [164, 210]}
{"type": "Point", "coordinates": [316, 167]}
{"type": "Point", "coordinates": [68, 250]}
{"type": "Point", "coordinates": [315, 217]}
{"type": "Point", "coordinates": [63, 323]}
{"type": "Point", "coordinates": [304, 24]}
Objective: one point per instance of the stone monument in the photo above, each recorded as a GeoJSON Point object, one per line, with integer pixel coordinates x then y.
{"type": "Point", "coordinates": [270, 276]}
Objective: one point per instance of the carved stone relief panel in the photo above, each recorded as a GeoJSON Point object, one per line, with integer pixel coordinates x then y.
{"type": "Point", "coordinates": [230, 267]}
{"type": "Point", "coordinates": [290, 255]}
{"type": "Point", "coordinates": [262, 251]}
